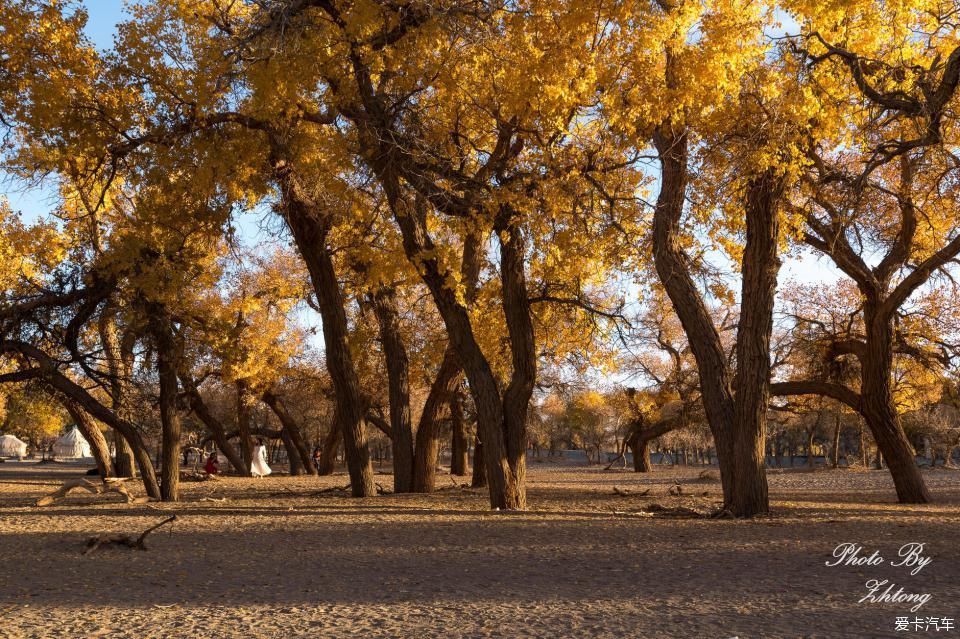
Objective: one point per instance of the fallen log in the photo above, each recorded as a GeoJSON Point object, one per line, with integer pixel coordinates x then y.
{"type": "Point", "coordinates": [124, 540]}
{"type": "Point", "coordinates": [107, 485]}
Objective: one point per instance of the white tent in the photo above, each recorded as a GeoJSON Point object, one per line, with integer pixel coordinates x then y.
{"type": "Point", "coordinates": [71, 445]}
{"type": "Point", "coordinates": [10, 446]}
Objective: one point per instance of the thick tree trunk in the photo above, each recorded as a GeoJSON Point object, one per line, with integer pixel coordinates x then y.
{"type": "Point", "coordinates": [458, 444]}
{"type": "Point", "coordinates": [94, 436]}
{"type": "Point", "coordinates": [398, 382]}
{"type": "Point", "coordinates": [761, 265]}
{"type": "Point", "coordinates": [674, 271]}
{"type": "Point", "coordinates": [479, 478]}
{"type": "Point", "coordinates": [291, 433]}
{"type": "Point", "coordinates": [310, 231]}
{"type": "Point", "coordinates": [881, 415]}
{"type": "Point", "coordinates": [167, 361]}
{"type": "Point", "coordinates": [640, 449]}
{"type": "Point", "coordinates": [124, 462]}
{"type": "Point", "coordinates": [428, 431]}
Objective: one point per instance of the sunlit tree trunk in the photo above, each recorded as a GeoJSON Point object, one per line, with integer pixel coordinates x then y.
{"type": "Point", "coordinates": [162, 332]}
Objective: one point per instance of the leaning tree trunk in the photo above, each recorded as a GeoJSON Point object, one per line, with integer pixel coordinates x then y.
{"type": "Point", "coordinates": [674, 272]}
{"type": "Point", "coordinates": [398, 383]}
{"type": "Point", "coordinates": [881, 416]}
{"type": "Point", "coordinates": [428, 430]}
{"type": "Point", "coordinates": [291, 432]}
{"type": "Point", "coordinates": [310, 234]}
{"type": "Point", "coordinates": [167, 360]}
{"type": "Point", "coordinates": [216, 428]}
{"type": "Point", "coordinates": [94, 436]}
{"type": "Point", "coordinates": [458, 443]}
{"type": "Point", "coordinates": [448, 377]}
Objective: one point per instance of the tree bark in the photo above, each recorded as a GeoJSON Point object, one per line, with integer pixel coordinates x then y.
{"type": "Point", "coordinates": [310, 227]}
{"type": "Point", "coordinates": [836, 439]}
{"type": "Point", "coordinates": [479, 479]}
{"type": "Point", "coordinates": [167, 360]}
{"type": "Point", "coordinates": [428, 431]}
{"type": "Point", "coordinates": [398, 382]}
{"type": "Point", "coordinates": [92, 433]}
{"type": "Point", "coordinates": [328, 452]}
{"type": "Point", "coordinates": [458, 444]}
{"type": "Point", "coordinates": [880, 412]}
{"type": "Point", "coordinates": [761, 265]}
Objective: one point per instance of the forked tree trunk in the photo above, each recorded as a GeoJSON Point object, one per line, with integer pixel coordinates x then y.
{"type": "Point", "coordinates": [167, 360]}
{"type": "Point", "coordinates": [94, 436]}
{"type": "Point", "coordinates": [737, 422]}
{"type": "Point", "coordinates": [458, 444]}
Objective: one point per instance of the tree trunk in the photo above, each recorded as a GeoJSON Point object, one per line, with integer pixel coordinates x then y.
{"type": "Point", "coordinates": [640, 449]}
{"type": "Point", "coordinates": [245, 422]}
{"type": "Point", "coordinates": [428, 431]}
{"type": "Point", "coordinates": [217, 431]}
{"type": "Point", "coordinates": [836, 439]}
{"type": "Point", "coordinates": [94, 436]}
{"type": "Point", "coordinates": [458, 443]}
{"type": "Point", "coordinates": [674, 272]}
{"type": "Point", "coordinates": [328, 452]}
{"type": "Point", "coordinates": [761, 265]}
{"type": "Point", "coordinates": [167, 360]}
{"type": "Point", "coordinates": [880, 412]}
{"type": "Point", "coordinates": [479, 479]}
{"type": "Point", "coordinates": [293, 455]}
{"type": "Point", "coordinates": [124, 463]}
{"type": "Point", "coordinates": [810, 435]}
{"type": "Point", "coordinates": [292, 433]}
{"type": "Point", "coordinates": [398, 382]}
{"type": "Point", "coordinates": [309, 224]}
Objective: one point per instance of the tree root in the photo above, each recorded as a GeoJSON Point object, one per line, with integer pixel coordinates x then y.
{"type": "Point", "coordinates": [124, 540]}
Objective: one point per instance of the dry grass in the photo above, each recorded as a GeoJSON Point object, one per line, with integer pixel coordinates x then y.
{"type": "Point", "coordinates": [274, 557]}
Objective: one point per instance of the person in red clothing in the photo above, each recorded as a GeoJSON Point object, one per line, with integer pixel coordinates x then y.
{"type": "Point", "coordinates": [211, 467]}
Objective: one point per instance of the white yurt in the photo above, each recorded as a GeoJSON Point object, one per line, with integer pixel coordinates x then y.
{"type": "Point", "coordinates": [10, 446]}
{"type": "Point", "coordinates": [72, 445]}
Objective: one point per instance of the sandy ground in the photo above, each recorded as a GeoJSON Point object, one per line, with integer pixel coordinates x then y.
{"type": "Point", "coordinates": [276, 559]}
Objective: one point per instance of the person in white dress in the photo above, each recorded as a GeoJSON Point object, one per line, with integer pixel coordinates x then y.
{"type": "Point", "coordinates": [258, 465]}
